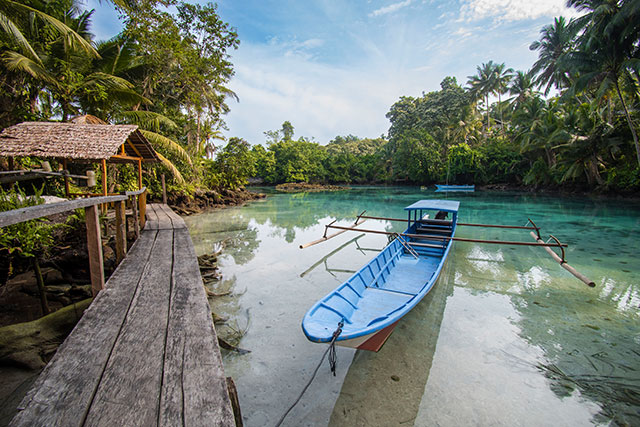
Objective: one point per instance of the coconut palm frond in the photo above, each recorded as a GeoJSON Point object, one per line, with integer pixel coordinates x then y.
{"type": "Point", "coordinates": [75, 40]}
{"type": "Point", "coordinates": [128, 97]}
{"type": "Point", "coordinates": [174, 171]}
{"type": "Point", "coordinates": [168, 144]}
{"type": "Point", "coordinates": [17, 62]}
{"type": "Point", "coordinates": [149, 120]}
{"type": "Point", "coordinates": [14, 32]}
{"type": "Point", "coordinates": [107, 80]}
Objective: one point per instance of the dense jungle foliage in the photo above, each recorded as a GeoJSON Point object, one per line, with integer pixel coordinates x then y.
{"type": "Point", "coordinates": [166, 73]}
{"type": "Point", "coordinates": [570, 121]}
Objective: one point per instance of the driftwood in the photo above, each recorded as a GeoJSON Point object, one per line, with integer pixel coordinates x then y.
{"type": "Point", "coordinates": [224, 344]}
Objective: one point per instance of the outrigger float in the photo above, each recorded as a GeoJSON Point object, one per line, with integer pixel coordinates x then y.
{"type": "Point", "coordinates": [363, 311]}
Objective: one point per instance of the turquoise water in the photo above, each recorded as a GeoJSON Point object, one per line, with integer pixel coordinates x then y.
{"type": "Point", "coordinates": [507, 336]}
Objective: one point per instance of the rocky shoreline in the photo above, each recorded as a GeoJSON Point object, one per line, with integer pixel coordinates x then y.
{"type": "Point", "coordinates": [205, 200]}
{"type": "Point", "coordinates": [297, 187]}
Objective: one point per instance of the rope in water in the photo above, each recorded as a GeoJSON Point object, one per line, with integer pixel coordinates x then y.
{"type": "Point", "coordinates": [332, 364]}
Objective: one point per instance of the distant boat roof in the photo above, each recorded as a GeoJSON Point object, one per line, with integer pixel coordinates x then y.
{"type": "Point", "coordinates": [440, 205]}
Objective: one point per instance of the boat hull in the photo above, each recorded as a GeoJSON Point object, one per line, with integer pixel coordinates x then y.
{"type": "Point", "coordinates": [371, 342]}
{"type": "Point", "coordinates": [372, 301]}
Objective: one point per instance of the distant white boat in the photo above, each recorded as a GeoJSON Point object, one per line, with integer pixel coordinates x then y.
{"type": "Point", "coordinates": [444, 187]}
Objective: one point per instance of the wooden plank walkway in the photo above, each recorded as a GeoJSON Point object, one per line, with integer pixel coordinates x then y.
{"type": "Point", "coordinates": [145, 352]}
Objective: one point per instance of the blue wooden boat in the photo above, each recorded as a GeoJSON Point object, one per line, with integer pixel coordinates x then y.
{"type": "Point", "coordinates": [443, 187]}
{"type": "Point", "coordinates": [372, 301]}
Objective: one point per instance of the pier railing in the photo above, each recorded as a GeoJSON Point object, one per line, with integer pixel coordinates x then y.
{"type": "Point", "coordinates": [138, 202]}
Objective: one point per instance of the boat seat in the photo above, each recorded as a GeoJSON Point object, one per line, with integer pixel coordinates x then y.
{"type": "Point", "coordinates": [432, 230]}
{"type": "Point", "coordinates": [440, 222]}
{"type": "Point", "coordinates": [427, 245]}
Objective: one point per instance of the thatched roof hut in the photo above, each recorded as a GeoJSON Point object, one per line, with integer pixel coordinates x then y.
{"type": "Point", "coordinates": [74, 141]}
{"type": "Point", "coordinates": [86, 139]}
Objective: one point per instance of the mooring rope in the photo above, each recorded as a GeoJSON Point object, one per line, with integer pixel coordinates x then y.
{"type": "Point", "coordinates": [332, 364]}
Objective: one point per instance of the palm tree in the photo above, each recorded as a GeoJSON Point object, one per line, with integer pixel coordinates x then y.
{"type": "Point", "coordinates": [500, 81]}
{"type": "Point", "coordinates": [491, 78]}
{"type": "Point", "coordinates": [522, 88]}
{"type": "Point", "coordinates": [555, 42]}
{"type": "Point", "coordinates": [480, 84]}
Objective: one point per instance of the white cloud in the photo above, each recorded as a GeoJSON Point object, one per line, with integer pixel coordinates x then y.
{"type": "Point", "coordinates": [320, 100]}
{"type": "Point", "coordinates": [513, 10]}
{"type": "Point", "coordinates": [391, 8]}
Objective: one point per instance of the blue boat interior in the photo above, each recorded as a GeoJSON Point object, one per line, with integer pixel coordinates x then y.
{"type": "Point", "coordinates": [391, 283]}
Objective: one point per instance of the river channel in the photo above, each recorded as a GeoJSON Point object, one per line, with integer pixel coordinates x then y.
{"type": "Point", "coordinates": [506, 337]}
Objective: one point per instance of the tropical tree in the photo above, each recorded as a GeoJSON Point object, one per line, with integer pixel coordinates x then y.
{"type": "Point", "coordinates": [607, 51]}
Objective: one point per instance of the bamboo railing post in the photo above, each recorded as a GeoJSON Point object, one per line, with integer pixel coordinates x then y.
{"type": "Point", "coordinates": [121, 232]}
{"type": "Point", "coordinates": [94, 248]}
{"type": "Point", "coordinates": [142, 206]}
{"type": "Point", "coordinates": [136, 218]}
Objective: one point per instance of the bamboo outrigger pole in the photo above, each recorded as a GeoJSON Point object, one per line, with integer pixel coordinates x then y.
{"type": "Point", "coordinates": [326, 227]}
{"type": "Point", "coordinates": [563, 263]}
{"type": "Point", "coordinates": [522, 227]}
{"type": "Point", "coordinates": [427, 236]}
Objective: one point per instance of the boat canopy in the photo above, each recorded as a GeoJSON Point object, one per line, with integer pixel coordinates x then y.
{"type": "Point", "coordinates": [438, 205]}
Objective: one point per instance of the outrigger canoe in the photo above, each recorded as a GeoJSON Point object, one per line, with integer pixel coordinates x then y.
{"type": "Point", "coordinates": [372, 301]}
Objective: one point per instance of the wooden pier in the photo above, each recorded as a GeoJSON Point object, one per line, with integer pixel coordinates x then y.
{"type": "Point", "coordinates": [145, 353]}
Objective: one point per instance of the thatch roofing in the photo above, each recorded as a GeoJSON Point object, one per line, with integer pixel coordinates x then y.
{"type": "Point", "coordinates": [75, 141]}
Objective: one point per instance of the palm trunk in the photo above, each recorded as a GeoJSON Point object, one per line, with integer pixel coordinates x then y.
{"type": "Point", "coordinates": [487, 106]}
{"type": "Point", "coordinates": [501, 116]}
{"type": "Point", "coordinates": [633, 131]}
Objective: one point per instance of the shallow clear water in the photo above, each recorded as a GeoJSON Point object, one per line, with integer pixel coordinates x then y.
{"type": "Point", "coordinates": [506, 337]}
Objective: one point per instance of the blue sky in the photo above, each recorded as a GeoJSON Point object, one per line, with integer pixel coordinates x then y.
{"type": "Point", "coordinates": [335, 67]}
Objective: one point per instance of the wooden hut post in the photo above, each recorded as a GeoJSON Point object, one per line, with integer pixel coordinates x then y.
{"type": "Point", "coordinates": [66, 179]}
{"type": "Point", "coordinates": [121, 232]}
{"type": "Point", "coordinates": [104, 177]}
{"type": "Point", "coordinates": [139, 173]}
{"type": "Point", "coordinates": [164, 190]}
{"type": "Point", "coordinates": [104, 184]}
{"type": "Point", "coordinates": [94, 248]}
{"type": "Point", "coordinates": [142, 205]}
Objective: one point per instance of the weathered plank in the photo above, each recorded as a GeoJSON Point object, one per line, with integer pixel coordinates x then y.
{"type": "Point", "coordinates": [176, 221]}
{"type": "Point", "coordinates": [163, 219]}
{"type": "Point", "coordinates": [131, 382]}
{"type": "Point", "coordinates": [194, 390]}
{"type": "Point", "coordinates": [152, 220]}
{"type": "Point", "coordinates": [63, 392]}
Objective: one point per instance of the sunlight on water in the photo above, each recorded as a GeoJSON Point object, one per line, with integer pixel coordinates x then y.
{"type": "Point", "coordinates": [507, 337]}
